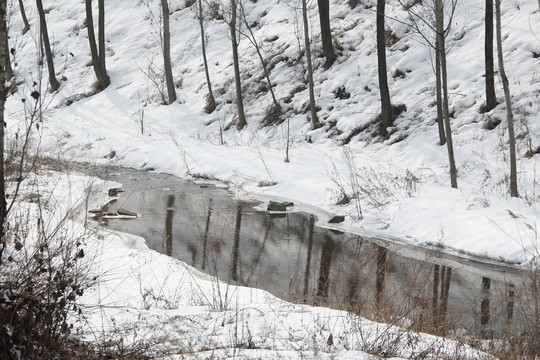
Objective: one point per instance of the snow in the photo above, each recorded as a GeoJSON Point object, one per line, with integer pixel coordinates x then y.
{"type": "Point", "coordinates": [403, 182]}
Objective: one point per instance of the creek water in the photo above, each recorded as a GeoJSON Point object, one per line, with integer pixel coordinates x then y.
{"type": "Point", "coordinates": [287, 254]}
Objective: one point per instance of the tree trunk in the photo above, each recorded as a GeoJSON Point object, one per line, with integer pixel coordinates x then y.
{"type": "Point", "coordinates": [491, 99]}
{"type": "Point", "coordinates": [387, 112]}
{"type": "Point", "coordinates": [251, 37]}
{"type": "Point", "coordinates": [167, 52]}
{"type": "Point", "coordinates": [314, 119]}
{"type": "Point", "coordinates": [239, 100]}
{"type": "Point", "coordinates": [440, 118]}
{"type": "Point", "coordinates": [25, 19]}
{"type": "Point", "coordinates": [101, 43]}
{"type": "Point", "coordinates": [509, 116]}
{"type": "Point", "coordinates": [99, 69]}
{"type": "Point", "coordinates": [48, 53]}
{"type": "Point", "coordinates": [9, 69]}
{"type": "Point", "coordinates": [439, 13]}
{"type": "Point", "coordinates": [211, 101]}
{"type": "Point", "coordinates": [101, 35]}
{"type": "Point", "coordinates": [3, 95]}
{"type": "Point", "coordinates": [326, 33]}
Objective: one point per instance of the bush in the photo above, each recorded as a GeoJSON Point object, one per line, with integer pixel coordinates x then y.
{"type": "Point", "coordinates": [41, 278]}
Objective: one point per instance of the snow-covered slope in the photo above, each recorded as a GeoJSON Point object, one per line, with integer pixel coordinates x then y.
{"type": "Point", "coordinates": [403, 182]}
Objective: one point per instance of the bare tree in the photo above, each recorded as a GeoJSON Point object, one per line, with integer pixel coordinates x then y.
{"type": "Point", "coordinates": [253, 40]}
{"type": "Point", "coordinates": [211, 101]}
{"type": "Point", "coordinates": [54, 84]}
{"type": "Point", "coordinates": [167, 52]}
{"type": "Point", "coordinates": [234, 42]}
{"type": "Point", "coordinates": [441, 37]}
{"type": "Point", "coordinates": [326, 33]}
{"type": "Point", "coordinates": [98, 59]}
{"type": "Point", "coordinates": [509, 116]}
{"type": "Point", "coordinates": [427, 19]}
{"type": "Point", "coordinates": [438, 82]}
{"type": "Point", "coordinates": [3, 95]}
{"type": "Point", "coordinates": [314, 119]}
{"type": "Point", "coordinates": [387, 112]}
{"type": "Point", "coordinates": [491, 99]}
{"type": "Point", "coordinates": [24, 18]}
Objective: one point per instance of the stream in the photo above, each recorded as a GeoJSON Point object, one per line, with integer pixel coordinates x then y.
{"type": "Point", "coordinates": [287, 254]}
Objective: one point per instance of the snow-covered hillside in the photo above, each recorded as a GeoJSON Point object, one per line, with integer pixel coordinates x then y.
{"type": "Point", "coordinates": [403, 181]}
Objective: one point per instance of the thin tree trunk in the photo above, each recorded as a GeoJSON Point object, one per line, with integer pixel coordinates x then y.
{"type": "Point", "coordinates": [3, 95]}
{"type": "Point", "coordinates": [239, 100]}
{"type": "Point", "coordinates": [25, 19]}
{"type": "Point", "coordinates": [387, 113]}
{"type": "Point", "coordinates": [314, 119]}
{"type": "Point", "coordinates": [211, 101]}
{"type": "Point", "coordinates": [439, 11]}
{"type": "Point", "coordinates": [326, 33]}
{"type": "Point", "coordinates": [101, 35]}
{"type": "Point", "coordinates": [9, 69]}
{"type": "Point", "coordinates": [251, 37]}
{"type": "Point", "coordinates": [92, 37]}
{"type": "Point", "coordinates": [440, 118]}
{"type": "Point", "coordinates": [101, 43]}
{"type": "Point", "coordinates": [101, 73]}
{"type": "Point", "coordinates": [167, 52]}
{"type": "Point", "coordinates": [48, 53]}
{"type": "Point", "coordinates": [491, 99]}
{"type": "Point", "coordinates": [509, 116]}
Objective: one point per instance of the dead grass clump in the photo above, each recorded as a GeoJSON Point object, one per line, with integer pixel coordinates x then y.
{"type": "Point", "coordinates": [273, 116]}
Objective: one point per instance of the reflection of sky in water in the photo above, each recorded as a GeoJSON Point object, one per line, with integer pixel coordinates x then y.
{"type": "Point", "coordinates": [287, 255]}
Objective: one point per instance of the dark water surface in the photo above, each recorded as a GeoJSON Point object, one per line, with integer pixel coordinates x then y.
{"type": "Point", "coordinates": [289, 256]}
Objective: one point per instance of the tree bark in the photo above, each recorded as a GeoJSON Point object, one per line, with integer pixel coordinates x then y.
{"type": "Point", "coordinates": [387, 112]}
{"type": "Point", "coordinates": [314, 119]}
{"type": "Point", "coordinates": [491, 99]}
{"type": "Point", "coordinates": [25, 19]}
{"type": "Point", "coordinates": [239, 100]}
{"type": "Point", "coordinates": [167, 52]}
{"type": "Point", "coordinates": [54, 84]}
{"type": "Point", "coordinates": [439, 13]}
{"type": "Point", "coordinates": [326, 33]}
{"type": "Point", "coordinates": [3, 95]}
{"type": "Point", "coordinates": [440, 118]}
{"type": "Point", "coordinates": [9, 69]}
{"type": "Point", "coordinates": [211, 101]}
{"type": "Point", "coordinates": [98, 59]}
{"type": "Point", "coordinates": [509, 115]}
{"type": "Point", "coordinates": [101, 42]}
